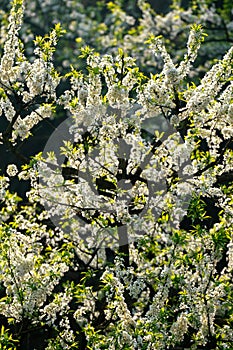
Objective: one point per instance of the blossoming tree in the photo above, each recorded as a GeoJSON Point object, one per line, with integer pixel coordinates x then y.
{"type": "Point", "coordinates": [122, 235]}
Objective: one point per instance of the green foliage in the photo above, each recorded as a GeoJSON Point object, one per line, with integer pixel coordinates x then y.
{"type": "Point", "coordinates": [6, 340]}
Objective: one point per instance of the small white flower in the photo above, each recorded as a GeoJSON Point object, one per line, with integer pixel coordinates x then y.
{"type": "Point", "coordinates": [12, 170]}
